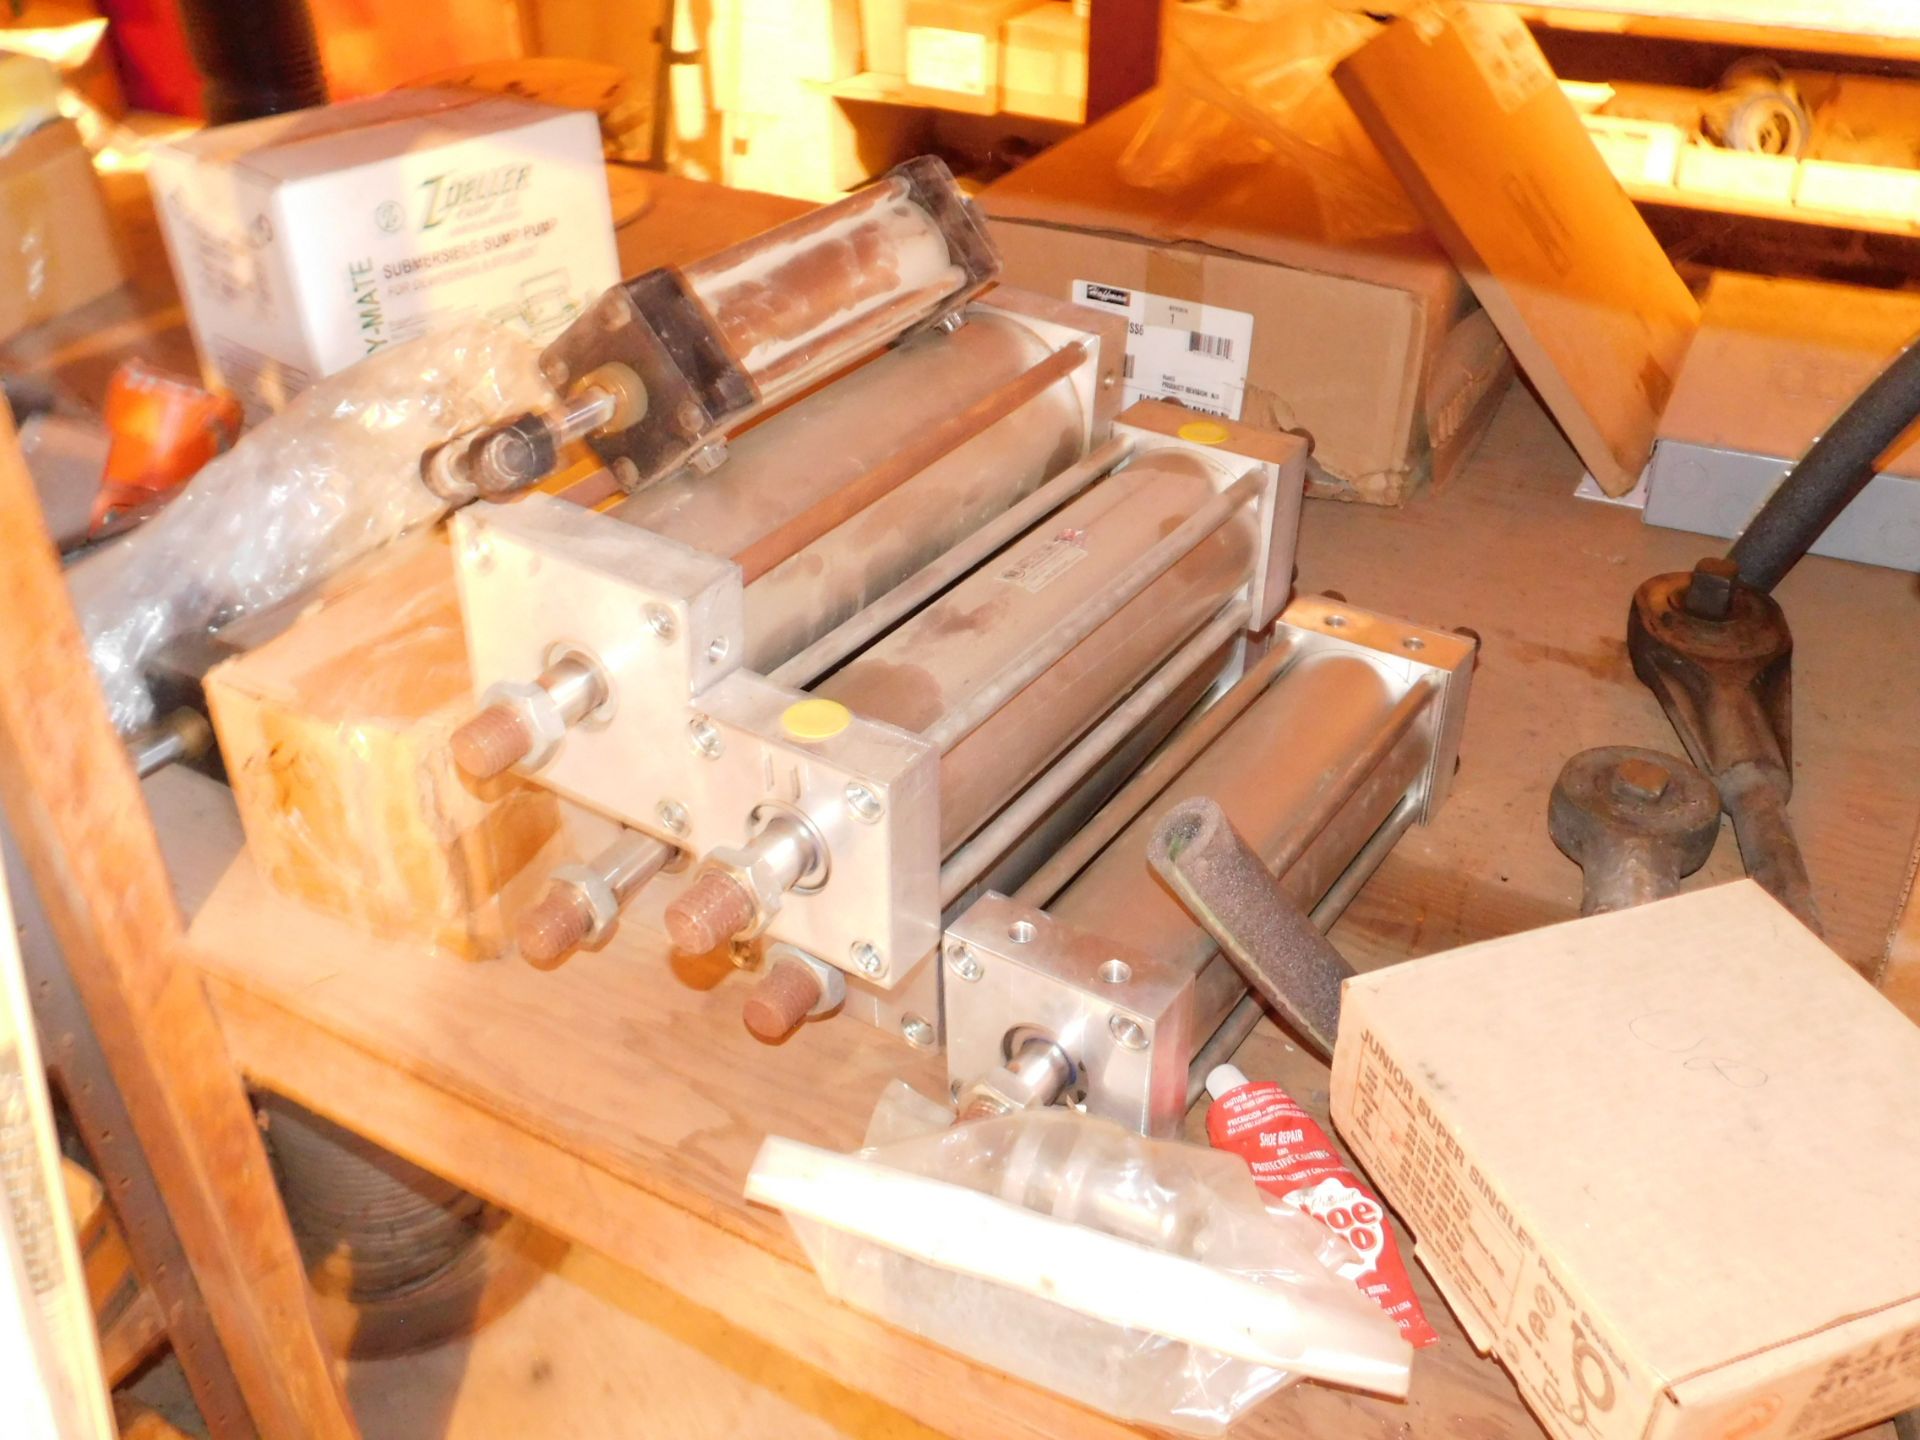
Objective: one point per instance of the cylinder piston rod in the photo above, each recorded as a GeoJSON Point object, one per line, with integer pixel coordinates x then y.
{"type": "Point", "coordinates": [1341, 757]}
{"type": "Point", "coordinates": [661, 368]}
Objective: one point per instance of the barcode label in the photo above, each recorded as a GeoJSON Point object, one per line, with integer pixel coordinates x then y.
{"type": "Point", "coordinates": [1178, 350]}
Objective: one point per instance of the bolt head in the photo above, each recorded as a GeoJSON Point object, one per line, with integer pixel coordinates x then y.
{"type": "Point", "coordinates": [919, 1032]}
{"type": "Point", "coordinates": [964, 963]}
{"type": "Point", "coordinates": [673, 815]}
{"type": "Point", "coordinates": [704, 736]}
{"type": "Point", "coordinates": [1709, 593]}
{"type": "Point", "coordinates": [864, 803]}
{"type": "Point", "coordinates": [659, 620]}
{"type": "Point", "coordinates": [866, 957]}
{"type": "Point", "coordinates": [1641, 780]}
{"type": "Point", "coordinates": [1131, 1034]}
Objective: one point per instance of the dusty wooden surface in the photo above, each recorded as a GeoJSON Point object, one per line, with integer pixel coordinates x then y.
{"type": "Point", "coordinates": [620, 1101]}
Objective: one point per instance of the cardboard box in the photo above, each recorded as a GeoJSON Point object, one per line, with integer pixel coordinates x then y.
{"type": "Point", "coordinates": [1774, 363]}
{"type": "Point", "coordinates": [56, 246]}
{"type": "Point", "coordinates": [304, 242]}
{"type": "Point", "coordinates": [335, 734]}
{"type": "Point", "coordinates": [1462, 104]}
{"type": "Point", "coordinates": [953, 52]}
{"type": "Point", "coordinates": [1298, 331]}
{"type": "Point", "coordinates": [1043, 63]}
{"type": "Point", "coordinates": [1661, 1162]}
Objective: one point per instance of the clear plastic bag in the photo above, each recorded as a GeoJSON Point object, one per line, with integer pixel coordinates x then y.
{"type": "Point", "coordinates": [332, 477]}
{"type": "Point", "coordinates": [1177, 1199]}
{"type": "Point", "coordinates": [1252, 84]}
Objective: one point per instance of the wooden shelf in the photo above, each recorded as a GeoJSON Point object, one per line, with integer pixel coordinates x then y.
{"type": "Point", "coordinates": [1747, 207]}
{"type": "Point", "coordinates": [1789, 24]}
{"type": "Point", "coordinates": [871, 88]}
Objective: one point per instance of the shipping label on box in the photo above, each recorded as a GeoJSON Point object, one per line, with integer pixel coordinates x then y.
{"type": "Point", "coordinates": [305, 242]}
{"type": "Point", "coordinates": [1177, 350]}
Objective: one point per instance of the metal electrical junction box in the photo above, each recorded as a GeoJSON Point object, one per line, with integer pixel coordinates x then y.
{"type": "Point", "coordinates": [1662, 1163]}
{"type": "Point", "coordinates": [1774, 363]}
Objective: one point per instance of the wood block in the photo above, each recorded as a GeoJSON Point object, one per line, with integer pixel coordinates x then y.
{"type": "Point", "coordinates": [335, 733]}
{"type": "Point", "coordinates": [1462, 104]}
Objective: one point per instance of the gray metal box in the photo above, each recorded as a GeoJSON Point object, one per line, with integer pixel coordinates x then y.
{"type": "Point", "coordinates": [1774, 362]}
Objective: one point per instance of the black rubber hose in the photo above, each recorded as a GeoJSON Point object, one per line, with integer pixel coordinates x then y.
{"type": "Point", "coordinates": [1830, 474]}
{"type": "Point", "coordinates": [257, 57]}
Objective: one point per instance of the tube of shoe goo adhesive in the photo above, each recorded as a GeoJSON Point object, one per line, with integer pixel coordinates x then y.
{"type": "Point", "coordinates": [1294, 1162]}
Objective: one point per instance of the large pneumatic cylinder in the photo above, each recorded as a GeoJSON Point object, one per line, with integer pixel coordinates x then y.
{"type": "Point", "coordinates": [1018, 660]}
{"type": "Point", "coordinates": [922, 675]}
{"type": "Point", "coordinates": [1010, 413]}
{"type": "Point", "coordinates": [1322, 755]}
{"type": "Point", "coordinates": [808, 458]}
{"type": "Point", "coordinates": [662, 368]}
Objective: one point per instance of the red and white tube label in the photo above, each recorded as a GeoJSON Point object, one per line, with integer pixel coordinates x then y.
{"type": "Point", "coordinates": [1293, 1160]}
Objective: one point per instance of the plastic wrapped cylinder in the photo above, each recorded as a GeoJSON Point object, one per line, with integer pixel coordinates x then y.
{"type": "Point", "coordinates": [806, 297]}
{"type": "Point", "coordinates": [797, 459]}
{"type": "Point", "coordinates": [1181, 1200]}
{"type": "Point", "coordinates": [941, 656]}
{"type": "Point", "coordinates": [333, 476]}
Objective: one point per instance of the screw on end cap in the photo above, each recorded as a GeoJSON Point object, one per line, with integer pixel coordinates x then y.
{"type": "Point", "coordinates": [492, 742]}
{"type": "Point", "coordinates": [710, 912]}
{"type": "Point", "coordinates": [1709, 593]}
{"type": "Point", "coordinates": [552, 929]}
{"type": "Point", "coordinates": [782, 998]}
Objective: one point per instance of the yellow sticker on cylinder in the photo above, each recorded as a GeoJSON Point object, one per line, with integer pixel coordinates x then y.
{"type": "Point", "coordinates": [815, 719]}
{"type": "Point", "coordinates": [1204, 432]}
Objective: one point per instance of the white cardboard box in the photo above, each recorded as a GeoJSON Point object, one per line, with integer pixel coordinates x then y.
{"type": "Point", "coordinates": [1663, 1163]}
{"type": "Point", "coordinates": [304, 242]}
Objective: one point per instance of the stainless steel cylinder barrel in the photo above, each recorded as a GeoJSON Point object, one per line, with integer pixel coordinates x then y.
{"type": "Point", "coordinates": [825, 442]}
{"type": "Point", "coordinates": [939, 660]}
{"type": "Point", "coordinates": [1312, 769]}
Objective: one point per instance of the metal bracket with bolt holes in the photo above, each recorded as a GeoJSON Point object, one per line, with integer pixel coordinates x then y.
{"type": "Point", "coordinates": [1407, 652]}
{"type": "Point", "coordinates": [1124, 1016]}
{"type": "Point", "coordinates": [699, 745]}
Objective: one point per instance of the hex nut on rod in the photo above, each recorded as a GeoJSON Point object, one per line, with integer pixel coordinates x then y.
{"type": "Point", "coordinates": [582, 903]}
